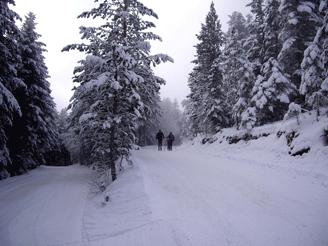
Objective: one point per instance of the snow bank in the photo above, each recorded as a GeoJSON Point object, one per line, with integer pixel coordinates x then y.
{"type": "Point", "coordinates": [303, 146]}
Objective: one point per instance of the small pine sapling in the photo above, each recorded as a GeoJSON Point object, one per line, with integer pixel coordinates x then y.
{"type": "Point", "coordinates": [294, 110]}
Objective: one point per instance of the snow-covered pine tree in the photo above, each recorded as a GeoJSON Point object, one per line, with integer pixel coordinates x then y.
{"type": "Point", "coordinates": [324, 55]}
{"type": "Point", "coordinates": [215, 110]}
{"type": "Point", "coordinates": [84, 98]}
{"type": "Point", "coordinates": [314, 82]}
{"type": "Point", "coordinates": [9, 82]}
{"type": "Point", "coordinates": [238, 22]}
{"type": "Point", "coordinates": [34, 135]}
{"type": "Point", "coordinates": [248, 118]}
{"type": "Point", "coordinates": [187, 129]}
{"type": "Point", "coordinates": [62, 121]}
{"type": "Point", "coordinates": [294, 110]}
{"type": "Point", "coordinates": [299, 25]}
{"type": "Point", "coordinates": [109, 98]}
{"type": "Point", "coordinates": [206, 81]}
{"type": "Point", "coordinates": [244, 112]}
{"type": "Point", "coordinates": [67, 135]}
{"type": "Point", "coordinates": [255, 41]}
{"type": "Point", "coordinates": [194, 101]}
{"type": "Point", "coordinates": [271, 93]}
{"type": "Point", "coordinates": [240, 114]}
{"type": "Point", "coordinates": [272, 90]}
{"type": "Point", "coordinates": [271, 28]}
{"type": "Point", "coordinates": [233, 61]}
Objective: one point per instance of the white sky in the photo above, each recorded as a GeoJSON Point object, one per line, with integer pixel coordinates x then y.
{"type": "Point", "coordinates": [179, 22]}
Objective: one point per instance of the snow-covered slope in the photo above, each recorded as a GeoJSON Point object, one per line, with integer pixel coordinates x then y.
{"type": "Point", "coordinates": [285, 144]}
{"type": "Point", "coordinates": [248, 193]}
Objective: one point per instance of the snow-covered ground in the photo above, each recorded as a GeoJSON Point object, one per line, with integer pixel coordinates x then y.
{"type": "Point", "coordinates": [250, 193]}
{"type": "Point", "coordinates": [43, 207]}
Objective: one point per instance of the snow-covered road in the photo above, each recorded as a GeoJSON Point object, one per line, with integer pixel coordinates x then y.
{"type": "Point", "coordinates": [191, 196]}
{"type": "Point", "coordinates": [211, 200]}
{"type": "Point", "coordinates": [44, 207]}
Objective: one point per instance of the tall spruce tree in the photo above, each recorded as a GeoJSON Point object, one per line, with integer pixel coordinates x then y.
{"type": "Point", "coordinates": [233, 62]}
{"type": "Point", "coordinates": [109, 98]}
{"type": "Point", "coordinates": [239, 23]}
{"type": "Point", "coordinates": [9, 81]}
{"type": "Point", "coordinates": [240, 114]}
{"type": "Point", "coordinates": [299, 25]}
{"type": "Point", "coordinates": [244, 110]}
{"type": "Point", "coordinates": [314, 81]}
{"type": "Point", "coordinates": [194, 101]}
{"type": "Point", "coordinates": [255, 41]}
{"type": "Point", "coordinates": [34, 135]}
{"type": "Point", "coordinates": [187, 129]}
{"type": "Point", "coordinates": [324, 54]}
{"type": "Point", "coordinates": [272, 90]}
{"type": "Point", "coordinates": [207, 96]}
{"type": "Point", "coordinates": [272, 29]}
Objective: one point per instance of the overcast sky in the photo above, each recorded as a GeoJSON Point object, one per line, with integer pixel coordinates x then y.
{"type": "Point", "coordinates": [179, 21]}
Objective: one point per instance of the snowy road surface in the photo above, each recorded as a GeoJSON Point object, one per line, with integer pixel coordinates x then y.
{"type": "Point", "coordinates": [43, 207]}
{"type": "Point", "coordinates": [189, 197]}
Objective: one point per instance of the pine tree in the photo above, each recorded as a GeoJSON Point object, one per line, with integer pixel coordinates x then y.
{"type": "Point", "coordinates": [233, 62]}
{"type": "Point", "coordinates": [109, 98]}
{"type": "Point", "coordinates": [187, 130]}
{"type": "Point", "coordinates": [255, 41]}
{"type": "Point", "coordinates": [84, 98]}
{"type": "Point", "coordinates": [215, 110]}
{"type": "Point", "coordinates": [245, 85]}
{"type": "Point", "coordinates": [238, 23]}
{"type": "Point", "coordinates": [271, 93]}
{"type": "Point", "coordinates": [206, 82]}
{"type": "Point", "coordinates": [9, 82]}
{"type": "Point", "coordinates": [299, 24]}
{"type": "Point", "coordinates": [272, 90]}
{"type": "Point", "coordinates": [194, 100]}
{"type": "Point", "coordinates": [68, 135]}
{"type": "Point", "coordinates": [249, 119]}
{"type": "Point", "coordinates": [244, 112]}
{"type": "Point", "coordinates": [33, 136]}
{"type": "Point", "coordinates": [324, 54]}
{"type": "Point", "coordinates": [271, 28]}
{"type": "Point", "coordinates": [314, 82]}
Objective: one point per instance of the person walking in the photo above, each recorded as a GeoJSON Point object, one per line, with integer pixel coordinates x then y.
{"type": "Point", "coordinates": [160, 136]}
{"type": "Point", "coordinates": [170, 140]}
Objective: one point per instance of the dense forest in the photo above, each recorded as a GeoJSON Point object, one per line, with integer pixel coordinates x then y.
{"type": "Point", "coordinates": [28, 133]}
{"type": "Point", "coordinates": [269, 65]}
{"type": "Point", "coordinates": [115, 102]}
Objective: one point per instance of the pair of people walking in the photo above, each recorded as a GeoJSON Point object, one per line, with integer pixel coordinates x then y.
{"type": "Point", "coordinates": [160, 137]}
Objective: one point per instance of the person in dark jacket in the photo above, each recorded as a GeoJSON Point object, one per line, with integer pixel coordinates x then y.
{"type": "Point", "coordinates": [160, 136]}
{"type": "Point", "coordinates": [170, 139]}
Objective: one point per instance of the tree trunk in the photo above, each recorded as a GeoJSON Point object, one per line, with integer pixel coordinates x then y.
{"type": "Point", "coordinates": [113, 170]}
{"type": "Point", "coordinates": [112, 140]}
